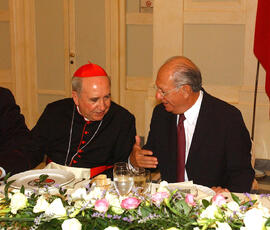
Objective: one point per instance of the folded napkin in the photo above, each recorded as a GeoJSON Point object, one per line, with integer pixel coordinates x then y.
{"type": "Point", "coordinates": [78, 172]}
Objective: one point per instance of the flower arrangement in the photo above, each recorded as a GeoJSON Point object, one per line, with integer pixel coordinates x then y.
{"type": "Point", "coordinates": [93, 208]}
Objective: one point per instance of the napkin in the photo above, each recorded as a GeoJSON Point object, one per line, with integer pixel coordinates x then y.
{"type": "Point", "coordinates": [78, 172]}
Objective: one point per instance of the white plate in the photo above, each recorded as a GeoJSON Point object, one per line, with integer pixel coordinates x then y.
{"type": "Point", "coordinates": [202, 192]}
{"type": "Point", "coordinates": [207, 191]}
{"type": "Point", "coordinates": [57, 177]}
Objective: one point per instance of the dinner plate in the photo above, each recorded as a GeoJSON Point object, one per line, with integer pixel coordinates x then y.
{"type": "Point", "coordinates": [29, 179]}
{"type": "Point", "coordinates": [199, 191]}
{"type": "Point", "coordinates": [206, 190]}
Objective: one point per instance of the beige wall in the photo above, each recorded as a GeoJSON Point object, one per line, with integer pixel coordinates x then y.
{"type": "Point", "coordinates": [131, 43]}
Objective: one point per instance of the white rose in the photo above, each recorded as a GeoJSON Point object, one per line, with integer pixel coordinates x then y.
{"type": "Point", "coordinates": [41, 205]}
{"type": "Point", "coordinates": [18, 201]}
{"type": "Point", "coordinates": [79, 204]}
{"type": "Point", "coordinates": [111, 228]}
{"type": "Point", "coordinates": [209, 212]}
{"type": "Point", "coordinates": [163, 187]}
{"type": "Point", "coordinates": [95, 194]}
{"type": "Point", "coordinates": [254, 219]}
{"type": "Point", "coordinates": [71, 224]}
{"type": "Point", "coordinates": [56, 209]}
{"type": "Point", "coordinates": [264, 210]}
{"type": "Point", "coordinates": [79, 194]}
{"type": "Point", "coordinates": [233, 206]}
{"type": "Point", "coordinates": [113, 200]}
{"type": "Point", "coordinates": [223, 226]}
{"type": "Point", "coordinates": [115, 203]}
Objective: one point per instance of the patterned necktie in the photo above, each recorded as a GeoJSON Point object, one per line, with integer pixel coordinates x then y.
{"type": "Point", "coordinates": [181, 149]}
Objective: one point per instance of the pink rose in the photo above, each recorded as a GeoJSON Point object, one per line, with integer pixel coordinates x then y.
{"type": "Point", "coordinates": [102, 205]}
{"type": "Point", "coordinates": [219, 200]}
{"type": "Point", "coordinates": [158, 197]}
{"type": "Point", "coordinates": [190, 200]}
{"type": "Point", "coordinates": [130, 203]}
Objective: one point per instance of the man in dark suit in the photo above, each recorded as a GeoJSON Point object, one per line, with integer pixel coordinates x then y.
{"type": "Point", "coordinates": [13, 134]}
{"type": "Point", "coordinates": [216, 141]}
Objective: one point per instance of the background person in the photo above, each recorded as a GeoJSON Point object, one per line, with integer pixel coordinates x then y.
{"type": "Point", "coordinates": [13, 134]}
{"type": "Point", "coordinates": [217, 142]}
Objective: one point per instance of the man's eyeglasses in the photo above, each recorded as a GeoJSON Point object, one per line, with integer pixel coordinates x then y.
{"type": "Point", "coordinates": [164, 94]}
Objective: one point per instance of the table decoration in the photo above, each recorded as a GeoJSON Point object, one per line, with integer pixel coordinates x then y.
{"type": "Point", "coordinates": [96, 208]}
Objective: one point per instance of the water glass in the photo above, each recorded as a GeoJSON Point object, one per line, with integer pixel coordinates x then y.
{"type": "Point", "coordinates": [123, 180]}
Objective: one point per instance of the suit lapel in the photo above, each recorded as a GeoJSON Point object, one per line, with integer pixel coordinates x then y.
{"type": "Point", "coordinates": [199, 133]}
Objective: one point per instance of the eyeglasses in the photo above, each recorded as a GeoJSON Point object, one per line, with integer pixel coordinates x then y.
{"type": "Point", "coordinates": [164, 94]}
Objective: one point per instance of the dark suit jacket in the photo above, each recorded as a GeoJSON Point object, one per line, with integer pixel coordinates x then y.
{"type": "Point", "coordinates": [219, 154]}
{"type": "Point", "coordinates": [13, 135]}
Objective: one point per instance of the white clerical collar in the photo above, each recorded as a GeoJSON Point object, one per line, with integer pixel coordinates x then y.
{"type": "Point", "coordinates": [81, 114]}
{"type": "Point", "coordinates": [192, 113]}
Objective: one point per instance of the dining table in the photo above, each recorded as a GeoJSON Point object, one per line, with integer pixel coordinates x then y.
{"type": "Point", "coordinates": [83, 198]}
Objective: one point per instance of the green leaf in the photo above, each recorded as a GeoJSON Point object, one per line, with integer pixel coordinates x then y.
{"type": "Point", "coordinates": [6, 189]}
{"type": "Point", "coordinates": [249, 203]}
{"type": "Point", "coordinates": [6, 178]}
{"type": "Point", "coordinates": [267, 223]}
{"type": "Point", "coordinates": [236, 198]}
{"type": "Point", "coordinates": [182, 205]}
{"type": "Point", "coordinates": [205, 203]}
{"type": "Point", "coordinates": [22, 190]}
{"type": "Point", "coordinates": [146, 211]}
{"type": "Point", "coordinates": [43, 177]}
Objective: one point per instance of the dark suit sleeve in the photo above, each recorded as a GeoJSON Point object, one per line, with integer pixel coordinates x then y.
{"type": "Point", "coordinates": [13, 135]}
{"type": "Point", "coordinates": [240, 175]}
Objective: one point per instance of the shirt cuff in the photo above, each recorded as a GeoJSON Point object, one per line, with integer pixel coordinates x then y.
{"type": "Point", "coordinates": [130, 166]}
{"type": "Point", "coordinates": [3, 173]}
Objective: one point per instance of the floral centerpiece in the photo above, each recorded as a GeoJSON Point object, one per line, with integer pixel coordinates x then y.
{"type": "Point", "coordinates": [94, 208]}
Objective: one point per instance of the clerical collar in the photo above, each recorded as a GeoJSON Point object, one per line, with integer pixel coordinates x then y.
{"type": "Point", "coordinates": [81, 114]}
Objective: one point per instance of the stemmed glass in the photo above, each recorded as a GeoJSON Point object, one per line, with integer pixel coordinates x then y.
{"type": "Point", "coordinates": [148, 181]}
{"type": "Point", "coordinates": [142, 180]}
{"type": "Point", "coordinates": [123, 180]}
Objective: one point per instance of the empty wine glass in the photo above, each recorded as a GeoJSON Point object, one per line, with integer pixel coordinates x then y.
{"type": "Point", "coordinates": [123, 180]}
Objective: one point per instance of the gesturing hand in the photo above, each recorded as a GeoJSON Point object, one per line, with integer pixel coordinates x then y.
{"type": "Point", "coordinates": [142, 158]}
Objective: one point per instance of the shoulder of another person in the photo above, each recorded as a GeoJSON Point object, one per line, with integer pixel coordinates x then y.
{"type": "Point", "coordinates": [4, 92]}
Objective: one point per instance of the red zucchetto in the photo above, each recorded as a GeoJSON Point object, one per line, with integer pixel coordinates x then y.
{"type": "Point", "coordinates": [90, 70]}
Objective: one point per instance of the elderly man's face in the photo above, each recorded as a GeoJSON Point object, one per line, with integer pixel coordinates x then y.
{"type": "Point", "coordinates": [94, 99]}
{"type": "Point", "coordinates": [171, 97]}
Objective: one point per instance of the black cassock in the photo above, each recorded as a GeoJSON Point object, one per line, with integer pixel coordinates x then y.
{"type": "Point", "coordinates": [67, 139]}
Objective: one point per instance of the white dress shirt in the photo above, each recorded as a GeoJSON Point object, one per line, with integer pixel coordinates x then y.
{"type": "Point", "coordinates": [191, 116]}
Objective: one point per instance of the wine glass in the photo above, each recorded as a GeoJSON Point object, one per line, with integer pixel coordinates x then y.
{"type": "Point", "coordinates": [148, 181]}
{"type": "Point", "coordinates": [123, 180]}
{"type": "Point", "coordinates": [142, 180]}
{"type": "Point", "coordinates": [139, 179]}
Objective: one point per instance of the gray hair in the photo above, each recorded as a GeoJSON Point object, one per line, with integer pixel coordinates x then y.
{"type": "Point", "coordinates": [186, 73]}
{"type": "Point", "coordinates": [76, 84]}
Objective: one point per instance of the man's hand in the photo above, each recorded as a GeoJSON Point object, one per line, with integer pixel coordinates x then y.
{"type": "Point", "coordinates": [219, 189]}
{"type": "Point", "coordinates": [142, 158]}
